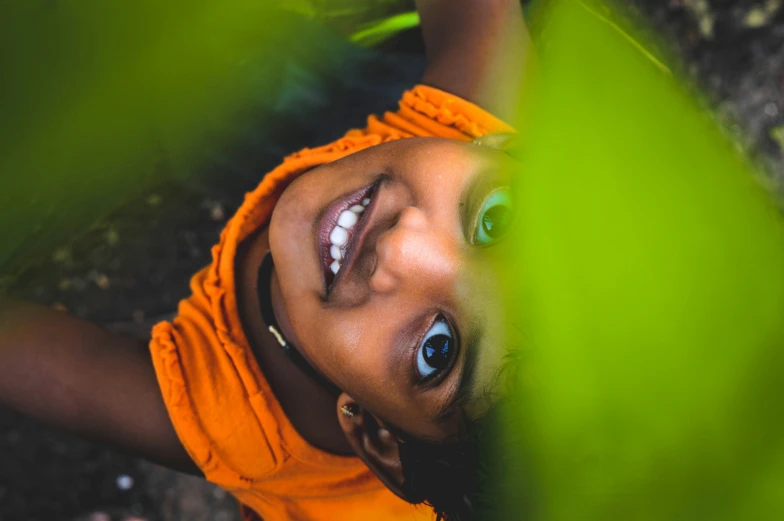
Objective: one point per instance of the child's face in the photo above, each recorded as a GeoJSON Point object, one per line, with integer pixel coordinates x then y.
{"type": "Point", "coordinates": [417, 293]}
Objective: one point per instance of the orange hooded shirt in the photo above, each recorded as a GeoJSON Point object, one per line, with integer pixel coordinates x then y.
{"type": "Point", "coordinates": [216, 394]}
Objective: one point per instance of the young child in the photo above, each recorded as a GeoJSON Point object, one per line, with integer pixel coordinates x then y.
{"type": "Point", "coordinates": [346, 335]}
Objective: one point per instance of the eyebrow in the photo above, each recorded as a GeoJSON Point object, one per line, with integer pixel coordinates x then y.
{"type": "Point", "coordinates": [476, 188]}
{"type": "Point", "coordinates": [465, 385]}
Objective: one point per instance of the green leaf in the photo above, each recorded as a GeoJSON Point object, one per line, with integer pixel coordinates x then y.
{"type": "Point", "coordinates": [649, 288]}
{"type": "Point", "coordinates": [376, 32]}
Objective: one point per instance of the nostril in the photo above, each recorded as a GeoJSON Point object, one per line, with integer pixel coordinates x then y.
{"type": "Point", "coordinates": [384, 276]}
{"type": "Point", "coordinates": [383, 281]}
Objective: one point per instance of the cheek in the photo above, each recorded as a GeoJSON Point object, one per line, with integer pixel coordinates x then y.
{"type": "Point", "coordinates": [349, 347]}
{"type": "Point", "coordinates": [293, 217]}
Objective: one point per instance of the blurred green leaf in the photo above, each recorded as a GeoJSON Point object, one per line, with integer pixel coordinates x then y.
{"type": "Point", "coordinates": [101, 101]}
{"type": "Point", "coordinates": [649, 290]}
{"type": "Point", "coordinates": [777, 134]}
{"type": "Point", "coordinates": [376, 32]}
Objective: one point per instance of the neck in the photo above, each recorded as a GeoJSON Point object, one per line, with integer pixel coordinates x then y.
{"type": "Point", "coordinates": [309, 406]}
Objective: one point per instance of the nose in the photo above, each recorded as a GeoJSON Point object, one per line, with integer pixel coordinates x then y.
{"type": "Point", "coordinates": [415, 254]}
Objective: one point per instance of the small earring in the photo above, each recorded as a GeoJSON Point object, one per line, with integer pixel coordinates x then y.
{"type": "Point", "coordinates": [348, 410]}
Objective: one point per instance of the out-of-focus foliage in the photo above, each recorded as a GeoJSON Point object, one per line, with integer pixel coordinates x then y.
{"type": "Point", "coordinates": [650, 284]}
{"type": "Point", "coordinates": [366, 22]}
{"type": "Point", "coordinates": [648, 299]}
{"type": "Point", "coordinates": [379, 31]}
{"type": "Point", "coordinates": [102, 99]}
{"type": "Point", "coordinates": [97, 94]}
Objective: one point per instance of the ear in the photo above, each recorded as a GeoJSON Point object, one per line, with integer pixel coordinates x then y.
{"type": "Point", "coordinates": [375, 445]}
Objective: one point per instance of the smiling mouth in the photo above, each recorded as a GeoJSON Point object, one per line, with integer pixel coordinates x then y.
{"type": "Point", "coordinates": [340, 233]}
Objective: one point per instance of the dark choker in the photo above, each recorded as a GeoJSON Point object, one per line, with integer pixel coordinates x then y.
{"type": "Point", "coordinates": [263, 290]}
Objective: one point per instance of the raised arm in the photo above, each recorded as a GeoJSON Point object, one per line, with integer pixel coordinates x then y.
{"type": "Point", "coordinates": [479, 50]}
{"type": "Point", "coordinates": [72, 374]}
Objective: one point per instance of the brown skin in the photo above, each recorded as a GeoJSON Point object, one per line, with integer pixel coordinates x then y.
{"type": "Point", "coordinates": [309, 408]}
{"type": "Point", "coordinates": [416, 264]}
{"type": "Point", "coordinates": [479, 50]}
{"type": "Point", "coordinates": [96, 384]}
{"type": "Point", "coordinates": [466, 41]}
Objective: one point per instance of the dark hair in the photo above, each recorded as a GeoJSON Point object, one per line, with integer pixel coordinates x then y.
{"type": "Point", "coordinates": [446, 475]}
{"type": "Point", "coordinates": [467, 477]}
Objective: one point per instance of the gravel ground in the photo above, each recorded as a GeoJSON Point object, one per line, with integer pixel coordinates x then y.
{"type": "Point", "coordinates": [733, 49]}
{"type": "Point", "coordinates": [134, 265]}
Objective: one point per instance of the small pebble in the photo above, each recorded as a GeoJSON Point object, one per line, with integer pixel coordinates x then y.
{"type": "Point", "coordinates": [756, 17]}
{"type": "Point", "coordinates": [124, 482]}
{"type": "Point", "coordinates": [103, 282]}
{"type": "Point", "coordinates": [771, 109]}
{"type": "Point", "coordinates": [216, 212]}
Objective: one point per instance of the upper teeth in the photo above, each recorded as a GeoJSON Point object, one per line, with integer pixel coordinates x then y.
{"type": "Point", "coordinates": [347, 220]}
{"type": "Point", "coordinates": [340, 235]}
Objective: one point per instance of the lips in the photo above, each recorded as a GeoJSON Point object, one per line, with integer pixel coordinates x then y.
{"type": "Point", "coordinates": [340, 233]}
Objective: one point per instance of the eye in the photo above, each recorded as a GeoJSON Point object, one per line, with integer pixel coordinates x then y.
{"type": "Point", "coordinates": [495, 216]}
{"type": "Point", "coordinates": [436, 350]}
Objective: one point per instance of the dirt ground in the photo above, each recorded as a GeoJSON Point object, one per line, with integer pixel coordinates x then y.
{"type": "Point", "coordinates": [133, 266]}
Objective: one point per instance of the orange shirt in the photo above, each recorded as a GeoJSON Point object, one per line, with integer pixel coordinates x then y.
{"type": "Point", "coordinates": [219, 401]}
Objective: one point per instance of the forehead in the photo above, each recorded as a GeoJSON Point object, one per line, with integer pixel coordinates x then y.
{"type": "Point", "coordinates": [416, 149]}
